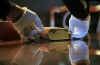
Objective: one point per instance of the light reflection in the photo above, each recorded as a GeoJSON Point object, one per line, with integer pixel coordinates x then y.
{"type": "Point", "coordinates": [78, 51]}
{"type": "Point", "coordinates": [97, 52]}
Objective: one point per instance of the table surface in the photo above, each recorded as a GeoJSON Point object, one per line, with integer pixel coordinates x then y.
{"type": "Point", "coordinates": [47, 53]}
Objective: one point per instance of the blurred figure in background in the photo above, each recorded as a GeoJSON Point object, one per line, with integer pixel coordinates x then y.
{"type": "Point", "coordinates": [28, 22]}
{"type": "Point", "coordinates": [25, 20]}
{"type": "Point", "coordinates": [80, 17]}
{"type": "Point", "coordinates": [78, 27]}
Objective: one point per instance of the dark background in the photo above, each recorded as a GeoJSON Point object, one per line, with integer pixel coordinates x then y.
{"type": "Point", "coordinates": [41, 7]}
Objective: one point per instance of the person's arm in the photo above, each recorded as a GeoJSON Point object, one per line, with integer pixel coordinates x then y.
{"type": "Point", "coordinates": [37, 24]}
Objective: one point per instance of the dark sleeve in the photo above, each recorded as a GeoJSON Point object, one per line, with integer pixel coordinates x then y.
{"type": "Point", "coordinates": [77, 8]}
